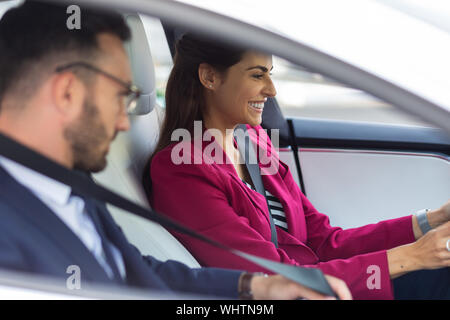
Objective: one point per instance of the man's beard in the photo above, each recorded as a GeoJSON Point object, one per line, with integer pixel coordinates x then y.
{"type": "Point", "coordinates": [86, 137]}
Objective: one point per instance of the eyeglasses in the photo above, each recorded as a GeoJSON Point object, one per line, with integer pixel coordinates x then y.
{"type": "Point", "coordinates": [130, 97]}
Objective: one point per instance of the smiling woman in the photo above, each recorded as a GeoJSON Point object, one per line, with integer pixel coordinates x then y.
{"type": "Point", "coordinates": [218, 84]}
{"type": "Point", "coordinates": [222, 88]}
{"type": "Point", "coordinates": [185, 88]}
{"type": "Point", "coordinates": [237, 95]}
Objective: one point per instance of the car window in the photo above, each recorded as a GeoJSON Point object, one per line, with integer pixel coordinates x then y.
{"type": "Point", "coordinates": [301, 93]}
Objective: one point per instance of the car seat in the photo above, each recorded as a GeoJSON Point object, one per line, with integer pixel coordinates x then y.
{"type": "Point", "coordinates": [130, 151]}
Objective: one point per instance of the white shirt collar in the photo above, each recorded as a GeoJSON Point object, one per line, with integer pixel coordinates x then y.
{"type": "Point", "coordinates": [39, 184]}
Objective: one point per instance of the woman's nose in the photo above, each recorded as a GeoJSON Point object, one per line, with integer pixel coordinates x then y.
{"type": "Point", "coordinates": [269, 89]}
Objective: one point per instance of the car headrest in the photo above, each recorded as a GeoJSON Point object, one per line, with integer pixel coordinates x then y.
{"type": "Point", "coordinates": [138, 50]}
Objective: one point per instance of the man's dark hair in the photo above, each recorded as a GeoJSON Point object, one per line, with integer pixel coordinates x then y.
{"type": "Point", "coordinates": [35, 36]}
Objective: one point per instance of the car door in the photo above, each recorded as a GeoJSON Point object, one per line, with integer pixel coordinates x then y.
{"type": "Point", "coordinates": [363, 172]}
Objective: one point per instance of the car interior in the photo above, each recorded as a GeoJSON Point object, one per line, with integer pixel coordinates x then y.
{"type": "Point", "coordinates": [326, 157]}
{"type": "Point", "coordinates": [319, 153]}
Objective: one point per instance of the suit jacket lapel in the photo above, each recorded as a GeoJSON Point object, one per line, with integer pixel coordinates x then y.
{"type": "Point", "coordinates": [138, 272]}
{"type": "Point", "coordinates": [132, 259]}
{"type": "Point", "coordinates": [35, 211]}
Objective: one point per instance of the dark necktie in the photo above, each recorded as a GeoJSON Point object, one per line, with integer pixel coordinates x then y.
{"type": "Point", "coordinates": [93, 212]}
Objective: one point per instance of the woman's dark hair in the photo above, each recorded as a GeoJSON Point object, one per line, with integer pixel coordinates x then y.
{"type": "Point", "coordinates": [184, 92]}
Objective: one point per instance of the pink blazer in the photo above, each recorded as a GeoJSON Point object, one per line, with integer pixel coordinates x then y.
{"type": "Point", "coordinates": [211, 198]}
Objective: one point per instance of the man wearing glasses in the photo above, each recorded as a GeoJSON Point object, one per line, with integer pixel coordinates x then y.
{"type": "Point", "coordinates": [66, 94]}
{"type": "Point", "coordinates": [122, 94]}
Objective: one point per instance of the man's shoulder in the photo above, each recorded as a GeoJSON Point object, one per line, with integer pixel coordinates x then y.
{"type": "Point", "coordinates": [9, 205]}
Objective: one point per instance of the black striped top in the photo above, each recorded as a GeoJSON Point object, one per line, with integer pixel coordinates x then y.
{"type": "Point", "coordinates": [276, 209]}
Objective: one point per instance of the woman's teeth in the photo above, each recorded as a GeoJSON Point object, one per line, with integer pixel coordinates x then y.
{"type": "Point", "coordinates": [257, 105]}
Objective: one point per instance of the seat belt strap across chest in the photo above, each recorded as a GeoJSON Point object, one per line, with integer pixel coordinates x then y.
{"type": "Point", "coordinates": [247, 151]}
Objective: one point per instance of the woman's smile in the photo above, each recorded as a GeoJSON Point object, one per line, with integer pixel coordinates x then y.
{"type": "Point", "coordinates": [256, 106]}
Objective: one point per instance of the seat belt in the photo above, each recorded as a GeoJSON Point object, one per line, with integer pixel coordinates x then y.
{"type": "Point", "coordinates": [312, 278]}
{"type": "Point", "coordinates": [247, 151]}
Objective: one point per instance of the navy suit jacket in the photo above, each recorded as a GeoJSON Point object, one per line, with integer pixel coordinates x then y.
{"type": "Point", "coordinates": [34, 240]}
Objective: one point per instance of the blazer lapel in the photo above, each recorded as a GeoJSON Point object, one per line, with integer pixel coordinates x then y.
{"type": "Point", "coordinates": [35, 211]}
{"type": "Point", "coordinates": [258, 200]}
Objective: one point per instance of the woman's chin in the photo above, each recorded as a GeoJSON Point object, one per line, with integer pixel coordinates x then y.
{"type": "Point", "coordinates": [255, 121]}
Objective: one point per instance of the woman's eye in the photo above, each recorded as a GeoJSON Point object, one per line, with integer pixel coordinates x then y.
{"type": "Point", "coordinates": [260, 76]}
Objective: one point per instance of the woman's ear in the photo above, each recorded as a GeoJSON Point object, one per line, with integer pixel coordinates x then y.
{"type": "Point", "coordinates": [208, 76]}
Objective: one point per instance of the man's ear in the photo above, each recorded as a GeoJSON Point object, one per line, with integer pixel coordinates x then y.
{"type": "Point", "coordinates": [68, 94]}
{"type": "Point", "coordinates": [209, 77]}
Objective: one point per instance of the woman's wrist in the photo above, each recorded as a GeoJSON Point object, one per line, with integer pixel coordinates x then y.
{"type": "Point", "coordinates": [402, 260]}
{"type": "Point", "coordinates": [434, 218]}
{"type": "Point", "coordinates": [437, 217]}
